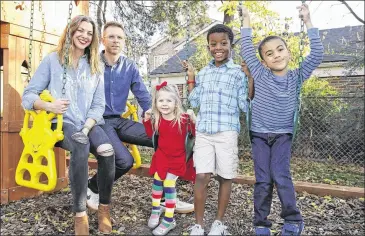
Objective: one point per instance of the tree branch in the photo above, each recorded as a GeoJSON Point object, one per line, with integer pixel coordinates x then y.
{"type": "Point", "coordinates": [352, 12]}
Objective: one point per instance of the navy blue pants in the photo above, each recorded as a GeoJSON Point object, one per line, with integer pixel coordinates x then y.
{"type": "Point", "coordinates": [271, 156]}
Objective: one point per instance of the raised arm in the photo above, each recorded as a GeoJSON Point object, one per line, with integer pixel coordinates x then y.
{"type": "Point", "coordinates": [248, 53]}
{"type": "Point", "coordinates": [315, 57]}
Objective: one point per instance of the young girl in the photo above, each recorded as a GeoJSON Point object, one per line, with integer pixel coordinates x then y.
{"type": "Point", "coordinates": [80, 98]}
{"type": "Point", "coordinates": [169, 161]}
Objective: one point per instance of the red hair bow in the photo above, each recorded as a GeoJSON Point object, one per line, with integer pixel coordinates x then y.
{"type": "Point", "coordinates": [163, 84]}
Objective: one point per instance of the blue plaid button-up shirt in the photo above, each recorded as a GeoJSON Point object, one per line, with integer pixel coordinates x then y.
{"type": "Point", "coordinates": [220, 92]}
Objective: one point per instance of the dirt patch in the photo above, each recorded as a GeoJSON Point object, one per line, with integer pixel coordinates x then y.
{"type": "Point", "coordinates": [51, 214]}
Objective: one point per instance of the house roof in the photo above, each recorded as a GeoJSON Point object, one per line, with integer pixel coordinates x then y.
{"type": "Point", "coordinates": [173, 64]}
{"type": "Point", "coordinates": [340, 45]}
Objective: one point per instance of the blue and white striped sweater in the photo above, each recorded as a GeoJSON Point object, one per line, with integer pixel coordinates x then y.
{"type": "Point", "coordinates": [275, 98]}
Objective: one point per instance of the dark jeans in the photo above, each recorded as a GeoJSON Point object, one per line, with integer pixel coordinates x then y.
{"type": "Point", "coordinates": [271, 156]}
{"type": "Point", "coordinates": [78, 169]}
{"type": "Point", "coordinates": [122, 130]}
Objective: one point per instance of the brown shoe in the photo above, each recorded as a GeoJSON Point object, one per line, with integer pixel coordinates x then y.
{"type": "Point", "coordinates": [105, 224]}
{"type": "Point", "coordinates": [81, 225]}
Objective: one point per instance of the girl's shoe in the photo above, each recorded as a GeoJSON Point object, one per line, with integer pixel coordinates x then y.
{"type": "Point", "coordinates": [154, 220]}
{"type": "Point", "coordinates": [163, 230]}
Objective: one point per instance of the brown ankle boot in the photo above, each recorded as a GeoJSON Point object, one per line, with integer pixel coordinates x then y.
{"type": "Point", "coordinates": [105, 224]}
{"type": "Point", "coordinates": [81, 225]}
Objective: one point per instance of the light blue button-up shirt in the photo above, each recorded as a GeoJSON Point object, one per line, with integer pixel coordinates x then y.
{"type": "Point", "coordinates": [84, 91]}
{"type": "Point", "coordinates": [220, 92]}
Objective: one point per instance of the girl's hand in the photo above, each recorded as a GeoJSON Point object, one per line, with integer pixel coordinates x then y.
{"type": "Point", "coordinates": [191, 113]}
{"type": "Point", "coordinates": [147, 115]}
{"type": "Point", "coordinates": [188, 67]}
{"type": "Point", "coordinates": [304, 12]}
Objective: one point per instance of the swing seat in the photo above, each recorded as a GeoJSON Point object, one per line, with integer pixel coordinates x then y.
{"type": "Point", "coordinates": [38, 157]}
{"type": "Point", "coordinates": [132, 111]}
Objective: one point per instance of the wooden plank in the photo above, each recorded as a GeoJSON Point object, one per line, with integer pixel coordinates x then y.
{"type": "Point", "coordinates": [24, 32]}
{"type": "Point", "coordinates": [4, 28]}
{"type": "Point", "coordinates": [10, 82]}
{"type": "Point", "coordinates": [4, 196]}
{"type": "Point", "coordinates": [61, 162]}
{"type": "Point", "coordinates": [15, 147]}
{"type": "Point", "coordinates": [4, 41]}
{"type": "Point", "coordinates": [5, 79]}
{"type": "Point", "coordinates": [5, 154]}
{"type": "Point", "coordinates": [20, 192]}
{"type": "Point", "coordinates": [22, 17]}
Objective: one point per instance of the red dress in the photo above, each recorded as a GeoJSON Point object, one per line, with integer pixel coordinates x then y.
{"type": "Point", "coordinates": [170, 154]}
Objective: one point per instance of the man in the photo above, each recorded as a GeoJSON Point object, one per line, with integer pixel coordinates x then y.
{"type": "Point", "coordinates": [121, 75]}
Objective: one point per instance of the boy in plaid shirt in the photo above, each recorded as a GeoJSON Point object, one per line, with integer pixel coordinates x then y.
{"type": "Point", "coordinates": [220, 91]}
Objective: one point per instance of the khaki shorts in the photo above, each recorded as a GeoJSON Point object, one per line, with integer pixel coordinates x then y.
{"type": "Point", "coordinates": [217, 154]}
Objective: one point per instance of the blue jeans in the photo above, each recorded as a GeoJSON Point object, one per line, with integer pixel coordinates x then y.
{"type": "Point", "coordinates": [271, 156]}
{"type": "Point", "coordinates": [78, 170]}
{"type": "Point", "coordinates": [122, 130]}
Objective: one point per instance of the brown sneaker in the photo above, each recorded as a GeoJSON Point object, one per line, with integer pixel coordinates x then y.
{"type": "Point", "coordinates": [81, 225]}
{"type": "Point", "coordinates": [105, 224]}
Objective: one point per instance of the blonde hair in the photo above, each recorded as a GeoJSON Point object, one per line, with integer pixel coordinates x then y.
{"type": "Point", "coordinates": [91, 51]}
{"type": "Point", "coordinates": [178, 111]}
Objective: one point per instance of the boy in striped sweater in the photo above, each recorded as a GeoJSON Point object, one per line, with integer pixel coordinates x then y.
{"type": "Point", "coordinates": [272, 124]}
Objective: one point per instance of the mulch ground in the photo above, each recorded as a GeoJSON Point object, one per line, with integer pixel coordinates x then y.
{"type": "Point", "coordinates": [51, 213]}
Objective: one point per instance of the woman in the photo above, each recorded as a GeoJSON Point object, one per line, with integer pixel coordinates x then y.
{"type": "Point", "coordinates": [80, 98]}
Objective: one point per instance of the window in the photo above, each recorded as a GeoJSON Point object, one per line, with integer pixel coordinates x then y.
{"type": "Point", "coordinates": [159, 59]}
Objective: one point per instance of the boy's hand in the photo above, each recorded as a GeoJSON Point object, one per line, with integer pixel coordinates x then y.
{"type": "Point", "coordinates": [147, 115]}
{"type": "Point", "coordinates": [304, 13]}
{"type": "Point", "coordinates": [188, 67]}
{"type": "Point", "coordinates": [243, 12]}
{"type": "Point", "coordinates": [245, 69]}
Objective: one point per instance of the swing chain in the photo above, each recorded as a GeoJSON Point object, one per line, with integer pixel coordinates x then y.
{"type": "Point", "coordinates": [240, 12]}
{"type": "Point", "coordinates": [301, 48]}
{"type": "Point", "coordinates": [187, 44]}
{"type": "Point", "coordinates": [66, 49]}
{"type": "Point", "coordinates": [30, 41]}
{"type": "Point", "coordinates": [43, 32]}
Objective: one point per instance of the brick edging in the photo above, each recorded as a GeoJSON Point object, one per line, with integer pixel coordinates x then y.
{"type": "Point", "coordinates": [312, 188]}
